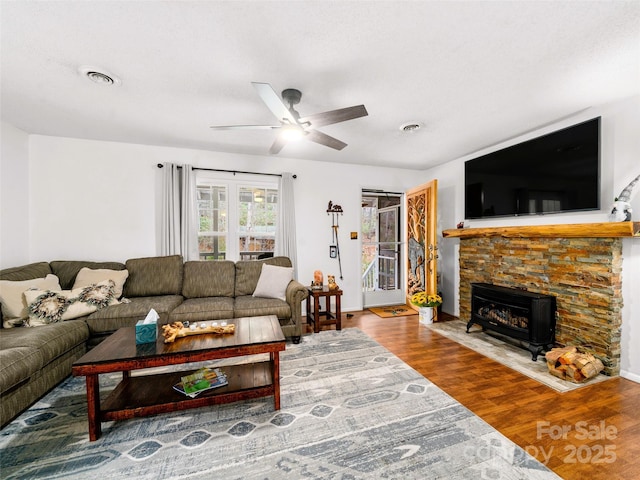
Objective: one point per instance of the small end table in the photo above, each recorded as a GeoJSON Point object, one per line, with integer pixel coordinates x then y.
{"type": "Point", "coordinates": [331, 319]}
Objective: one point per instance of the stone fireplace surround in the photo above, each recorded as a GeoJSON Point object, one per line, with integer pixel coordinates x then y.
{"type": "Point", "coordinates": [580, 264]}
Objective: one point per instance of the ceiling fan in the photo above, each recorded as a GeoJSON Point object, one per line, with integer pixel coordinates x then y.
{"type": "Point", "coordinates": [292, 125]}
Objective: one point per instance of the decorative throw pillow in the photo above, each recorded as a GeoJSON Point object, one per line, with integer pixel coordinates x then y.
{"type": "Point", "coordinates": [273, 282]}
{"type": "Point", "coordinates": [14, 307]}
{"type": "Point", "coordinates": [86, 276]}
{"type": "Point", "coordinates": [47, 306]}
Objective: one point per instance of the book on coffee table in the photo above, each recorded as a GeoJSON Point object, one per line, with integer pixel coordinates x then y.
{"type": "Point", "coordinates": [200, 381]}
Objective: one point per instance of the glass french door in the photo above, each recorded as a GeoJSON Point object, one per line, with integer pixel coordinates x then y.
{"type": "Point", "coordinates": [381, 249]}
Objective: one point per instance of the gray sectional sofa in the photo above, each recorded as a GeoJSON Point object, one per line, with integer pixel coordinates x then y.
{"type": "Point", "coordinates": [35, 359]}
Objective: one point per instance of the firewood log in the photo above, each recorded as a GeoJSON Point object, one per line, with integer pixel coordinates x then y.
{"type": "Point", "coordinates": [552, 356]}
{"type": "Point", "coordinates": [555, 353]}
{"type": "Point", "coordinates": [573, 374]}
{"type": "Point", "coordinates": [592, 369]}
{"type": "Point", "coordinates": [584, 359]}
{"type": "Point", "coordinates": [568, 358]}
{"type": "Point", "coordinates": [556, 372]}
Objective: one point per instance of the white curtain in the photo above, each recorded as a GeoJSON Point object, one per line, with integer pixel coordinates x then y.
{"type": "Point", "coordinates": [179, 229]}
{"type": "Point", "coordinates": [286, 235]}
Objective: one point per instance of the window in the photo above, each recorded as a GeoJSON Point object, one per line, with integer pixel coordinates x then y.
{"type": "Point", "coordinates": [238, 219]}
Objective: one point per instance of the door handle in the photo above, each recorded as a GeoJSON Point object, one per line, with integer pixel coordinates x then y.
{"type": "Point", "coordinates": [433, 252]}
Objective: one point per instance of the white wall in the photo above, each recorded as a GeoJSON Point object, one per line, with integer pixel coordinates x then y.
{"type": "Point", "coordinates": [619, 165]}
{"type": "Point", "coordinates": [91, 200]}
{"type": "Point", "coordinates": [626, 122]}
{"type": "Point", "coordinates": [14, 196]}
{"type": "Point", "coordinates": [94, 200]}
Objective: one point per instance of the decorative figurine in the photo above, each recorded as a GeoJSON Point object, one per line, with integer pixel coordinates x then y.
{"type": "Point", "coordinates": [334, 208]}
{"type": "Point", "coordinates": [621, 209]}
{"type": "Point", "coordinates": [332, 282]}
{"type": "Point", "coordinates": [317, 280]}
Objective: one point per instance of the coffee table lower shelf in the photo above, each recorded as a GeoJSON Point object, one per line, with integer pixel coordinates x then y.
{"type": "Point", "coordinates": [143, 395]}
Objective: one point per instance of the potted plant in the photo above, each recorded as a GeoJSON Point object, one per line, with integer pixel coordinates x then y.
{"type": "Point", "coordinates": [427, 306]}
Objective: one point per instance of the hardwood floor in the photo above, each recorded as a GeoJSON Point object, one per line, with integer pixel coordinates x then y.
{"type": "Point", "coordinates": [601, 423]}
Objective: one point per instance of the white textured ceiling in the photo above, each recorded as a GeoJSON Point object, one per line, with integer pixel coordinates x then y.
{"type": "Point", "coordinates": [475, 73]}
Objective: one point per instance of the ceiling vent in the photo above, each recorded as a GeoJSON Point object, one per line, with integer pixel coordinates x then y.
{"type": "Point", "coordinates": [99, 76]}
{"type": "Point", "coordinates": [410, 127]}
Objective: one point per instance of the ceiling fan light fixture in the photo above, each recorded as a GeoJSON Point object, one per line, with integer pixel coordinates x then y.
{"type": "Point", "coordinates": [292, 125]}
{"type": "Point", "coordinates": [292, 133]}
{"type": "Point", "coordinates": [99, 76]}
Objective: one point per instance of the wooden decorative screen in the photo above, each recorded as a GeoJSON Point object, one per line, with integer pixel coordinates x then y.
{"type": "Point", "coordinates": [421, 239]}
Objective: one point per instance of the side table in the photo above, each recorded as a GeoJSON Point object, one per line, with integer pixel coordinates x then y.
{"type": "Point", "coordinates": [331, 319]}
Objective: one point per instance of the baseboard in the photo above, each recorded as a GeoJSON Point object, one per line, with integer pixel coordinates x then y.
{"type": "Point", "coordinates": [630, 376]}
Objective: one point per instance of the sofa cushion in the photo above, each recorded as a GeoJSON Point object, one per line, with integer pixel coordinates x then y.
{"type": "Point", "coordinates": [49, 306]}
{"type": "Point", "coordinates": [88, 276]}
{"type": "Point", "coordinates": [248, 272]}
{"type": "Point", "coordinates": [26, 350]}
{"type": "Point", "coordinates": [273, 282]}
{"type": "Point", "coordinates": [67, 270]}
{"type": "Point", "coordinates": [114, 317]}
{"type": "Point", "coordinates": [250, 306]}
{"type": "Point", "coordinates": [154, 276]}
{"type": "Point", "coordinates": [14, 305]}
{"type": "Point", "coordinates": [209, 279]}
{"type": "Point", "coordinates": [18, 364]}
{"type": "Point", "coordinates": [197, 309]}
{"type": "Point", "coordinates": [26, 272]}
{"type": "Point", "coordinates": [53, 340]}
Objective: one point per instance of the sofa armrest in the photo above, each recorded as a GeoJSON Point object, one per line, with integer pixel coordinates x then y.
{"type": "Point", "coordinates": [295, 294]}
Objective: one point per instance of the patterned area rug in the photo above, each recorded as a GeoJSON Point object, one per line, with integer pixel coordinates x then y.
{"type": "Point", "coordinates": [393, 311]}
{"type": "Point", "coordinates": [350, 410]}
{"type": "Point", "coordinates": [508, 352]}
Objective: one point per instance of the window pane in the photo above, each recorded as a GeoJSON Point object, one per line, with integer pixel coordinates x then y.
{"type": "Point", "coordinates": [212, 211]}
{"type": "Point", "coordinates": [257, 213]}
{"type": "Point", "coordinates": [388, 226]}
{"type": "Point", "coordinates": [212, 247]}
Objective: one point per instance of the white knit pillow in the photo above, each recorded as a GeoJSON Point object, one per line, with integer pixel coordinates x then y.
{"type": "Point", "coordinates": [273, 282]}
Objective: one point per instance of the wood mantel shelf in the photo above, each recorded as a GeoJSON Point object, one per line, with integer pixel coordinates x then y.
{"type": "Point", "coordinates": [569, 230]}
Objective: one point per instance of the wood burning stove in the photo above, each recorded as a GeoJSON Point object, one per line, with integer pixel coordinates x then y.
{"type": "Point", "coordinates": [519, 314]}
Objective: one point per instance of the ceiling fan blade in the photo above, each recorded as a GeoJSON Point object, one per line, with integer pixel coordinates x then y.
{"type": "Point", "coordinates": [274, 103]}
{"type": "Point", "coordinates": [245, 127]}
{"type": "Point", "coordinates": [324, 139]}
{"type": "Point", "coordinates": [277, 145]}
{"type": "Point", "coordinates": [335, 116]}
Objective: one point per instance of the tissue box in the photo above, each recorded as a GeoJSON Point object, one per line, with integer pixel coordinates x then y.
{"type": "Point", "coordinates": [145, 333]}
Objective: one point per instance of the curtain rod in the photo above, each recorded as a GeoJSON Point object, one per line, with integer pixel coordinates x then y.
{"type": "Point", "coordinates": [232, 171]}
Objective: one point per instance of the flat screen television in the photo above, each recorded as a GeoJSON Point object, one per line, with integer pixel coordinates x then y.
{"type": "Point", "coordinates": [557, 172]}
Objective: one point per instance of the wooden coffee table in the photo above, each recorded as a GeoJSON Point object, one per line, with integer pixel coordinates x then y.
{"type": "Point", "coordinates": [142, 395]}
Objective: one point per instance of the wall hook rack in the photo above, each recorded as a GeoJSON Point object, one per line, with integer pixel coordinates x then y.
{"type": "Point", "coordinates": [335, 211]}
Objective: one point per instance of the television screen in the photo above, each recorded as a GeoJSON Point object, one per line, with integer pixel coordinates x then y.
{"type": "Point", "coordinates": [557, 172]}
